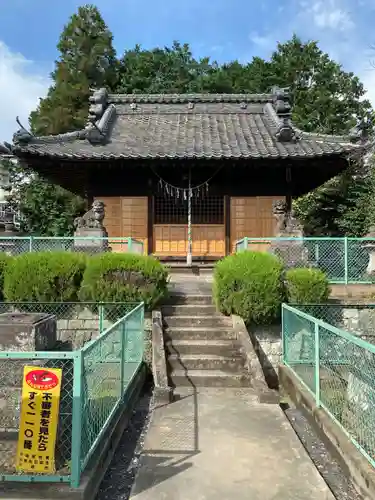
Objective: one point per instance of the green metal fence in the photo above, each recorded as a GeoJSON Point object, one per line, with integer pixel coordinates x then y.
{"type": "Point", "coordinates": [95, 382]}
{"type": "Point", "coordinates": [80, 316]}
{"type": "Point", "coordinates": [344, 260]}
{"type": "Point", "coordinates": [338, 368]}
{"type": "Point", "coordinates": [21, 244]}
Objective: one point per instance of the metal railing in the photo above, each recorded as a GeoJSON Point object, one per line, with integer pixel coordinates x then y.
{"type": "Point", "coordinates": [95, 382]}
{"type": "Point", "coordinates": [344, 260]}
{"type": "Point", "coordinates": [338, 368]}
{"type": "Point", "coordinates": [15, 245]}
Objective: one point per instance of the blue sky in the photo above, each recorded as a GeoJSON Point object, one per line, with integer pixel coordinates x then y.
{"type": "Point", "coordinates": [222, 29]}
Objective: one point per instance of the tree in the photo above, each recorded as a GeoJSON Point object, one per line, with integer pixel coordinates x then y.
{"type": "Point", "coordinates": [46, 209]}
{"type": "Point", "coordinates": [327, 100]}
{"type": "Point", "coordinates": [87, 59]}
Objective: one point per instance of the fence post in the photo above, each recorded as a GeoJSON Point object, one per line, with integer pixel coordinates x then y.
{"type": "Point", "coordinates": [317, 365]}
{"type": "Point", "coordinates": [283, 341]}
{"type": "Point", "coordinates": [142, 325]}
{"type": "Point", "coordinates": [346, 258]}
{"type": "Point", "coordinates": [124, 342]}
{"type": "Point", "coordinates": [101, 318]}
{"type": "Point", "coordinates": [130, 244]}
{"type": "Point", "coordinates": [246, 243]}
{"type": "Point", "coordinates": [76, 420]}
{"type": "Point", "coordinates": [30, 244]}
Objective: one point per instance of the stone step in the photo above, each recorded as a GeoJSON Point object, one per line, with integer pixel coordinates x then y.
{"type": "Point", "coordinates": [233, 364]}
{"type": "Point", "coordinates": [201, 346]}
{"type": "Point", "coordinates": [188, 299]}
{"type": "Point", "coordinates": [209, 378]}
{"type": "Point", "coordinates": [190, 310]}
{"type": "Point", "coordinates": [198, 321]}
{"type": "Point", "coordinates": [180, 268]}
{"type": "Point", "coordinates": [199, 333]}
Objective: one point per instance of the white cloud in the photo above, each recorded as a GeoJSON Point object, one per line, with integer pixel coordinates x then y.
{"type": "Point", "coordinates": [328, 14]}
{"type": "Point", "coordinates": [20, 90]}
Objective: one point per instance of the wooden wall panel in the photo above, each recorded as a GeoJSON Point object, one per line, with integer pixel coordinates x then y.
{"type": "Point", "coordinates": [252, 217]}
{"type": "Point", "coordinates": [170, 240]}
{"type": "Point", "coordinates": [126, 217]}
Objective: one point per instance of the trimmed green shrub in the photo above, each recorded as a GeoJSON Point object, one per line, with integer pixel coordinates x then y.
{"type": "Point", "coordinates": [250, 285]}
{"type": "Point", "coordinates": [306, 286]}
{"type": "Point", "coordinates": [4, 261]}
{"type": "Point", "coordinates": [116, 277]}
{"type": "Point", "coordinates": [44, 277]}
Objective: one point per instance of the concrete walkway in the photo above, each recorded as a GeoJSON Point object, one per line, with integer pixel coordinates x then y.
{"type": "Point", "coordinates": [223, 444]}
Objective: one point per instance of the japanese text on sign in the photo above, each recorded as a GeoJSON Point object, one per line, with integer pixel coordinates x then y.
{"type": "Point", "coordinates": [39, 419]}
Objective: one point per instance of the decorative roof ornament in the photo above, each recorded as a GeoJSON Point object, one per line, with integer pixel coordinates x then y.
{"type": "Point", "coordinates": [281, 102]}
{"type": "Point", "coordinates": [5, 149]}
{"type": "Point", "coordinates": [283, 109]}
{"type": "Point", "coordinates": [98, 104]}
{"type": "Point", "coordinates": [22, 136]}
{"type": "Point", "coordinates": [361, 131]}
{"type": "Point", "coordinates": [100, 116]}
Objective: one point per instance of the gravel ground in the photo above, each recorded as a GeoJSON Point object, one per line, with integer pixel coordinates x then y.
{"type": "Point", "coordinates": [329, 468]}
{"type": "Point", "coordinates": [118, 481]}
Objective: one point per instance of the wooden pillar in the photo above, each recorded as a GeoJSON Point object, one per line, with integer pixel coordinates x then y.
{"type": "Point", "coordinates": [289, 183]}
{"type": "Point", "coordinates": [228, 248]}
{"type": "Point", "coordinates": [150, 224]}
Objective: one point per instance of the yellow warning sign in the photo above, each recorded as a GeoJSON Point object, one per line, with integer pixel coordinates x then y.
{"type": "Point", "coordinates": [39, 418]}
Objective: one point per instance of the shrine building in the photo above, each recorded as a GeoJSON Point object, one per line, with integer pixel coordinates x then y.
{"type": "Point", "coordinates": [234, 155]}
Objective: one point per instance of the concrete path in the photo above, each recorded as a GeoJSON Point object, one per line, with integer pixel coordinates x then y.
{"type": "Point", "coordinates": [223, 444]}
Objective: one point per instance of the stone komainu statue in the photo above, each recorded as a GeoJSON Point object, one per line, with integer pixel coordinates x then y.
{"type": "Point", "coordinates": [280, 212]}
{"type": "Point", "coordinates": [93, 219]}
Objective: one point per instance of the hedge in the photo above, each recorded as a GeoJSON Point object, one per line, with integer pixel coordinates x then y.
{"type": "Point", "coordinates": [44, 277]}
{"type": "Point", "coordinates": [306, 286]}
{"type": "Point", "coordinates": [250, 285]}
{"type": "Point", "coordinates": [116, 277]}
{"type": "Point", "coordinates": [4, 262]}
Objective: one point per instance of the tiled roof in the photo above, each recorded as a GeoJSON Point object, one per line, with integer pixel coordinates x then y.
{"type": "Point", "coordinates": [185, 126]}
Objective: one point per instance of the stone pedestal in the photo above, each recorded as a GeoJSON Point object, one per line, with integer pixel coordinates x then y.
{"type": "Point", "coordinates": [20, 332]}
{"type": "Point", "coordinates": [91, 240]}
{"type": "Point", "coordinates": [370, 247]}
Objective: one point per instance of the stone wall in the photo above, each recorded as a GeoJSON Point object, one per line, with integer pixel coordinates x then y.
{"type": "Point", "coordinates": [360, 322]}
{"type": "Point", "coordinates": [268, 346]}
{"type": "Point", "coordinates": [81, 326]}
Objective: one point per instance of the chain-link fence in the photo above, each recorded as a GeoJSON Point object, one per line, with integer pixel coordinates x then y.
{"type": "Point", "coordinates": [21, 244]}
{"type": "Point", "coordinates": [344, 260]}
{"type": "Point", "coordinates": [109, 364]}
{"type": "Point", "coordinates": [95, 380]}
{"type": "Point", "coordinates": [338, 368]}
{"type": "Point", "coordinates": [11, 376]}
{"type": "Point", "coordinates": [81, 319]}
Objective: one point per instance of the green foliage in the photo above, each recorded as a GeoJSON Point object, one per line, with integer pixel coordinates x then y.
{"type": "Point", "coordinates": [249, 284]}
{"type": "Point", "coordinates": [44, 277]}
{"type": "Point", "coordinates": [326, 99]}
{"type": "Point", "coordinates": [87, 60]}
{"type": "Point", "coordinates": [119, 277]}
{"type": "Point", "coordinates": [4, 262]}
{"type": "Point", "coordinates": [306, 286]}
{"type": "Point", "coordinates": [46, 209]}
{"type": "Point", "coordinates": [343, 206]}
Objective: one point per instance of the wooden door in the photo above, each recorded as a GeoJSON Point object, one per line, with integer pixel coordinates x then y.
{"type": "Point", "coordinates": [252, 217]}
{"type": "Point", "coordinates": [125, 217]}
{"type": "Point", "coordinates": [170, 228]}
{"type": "Point", "coordinates": [171, 240]}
